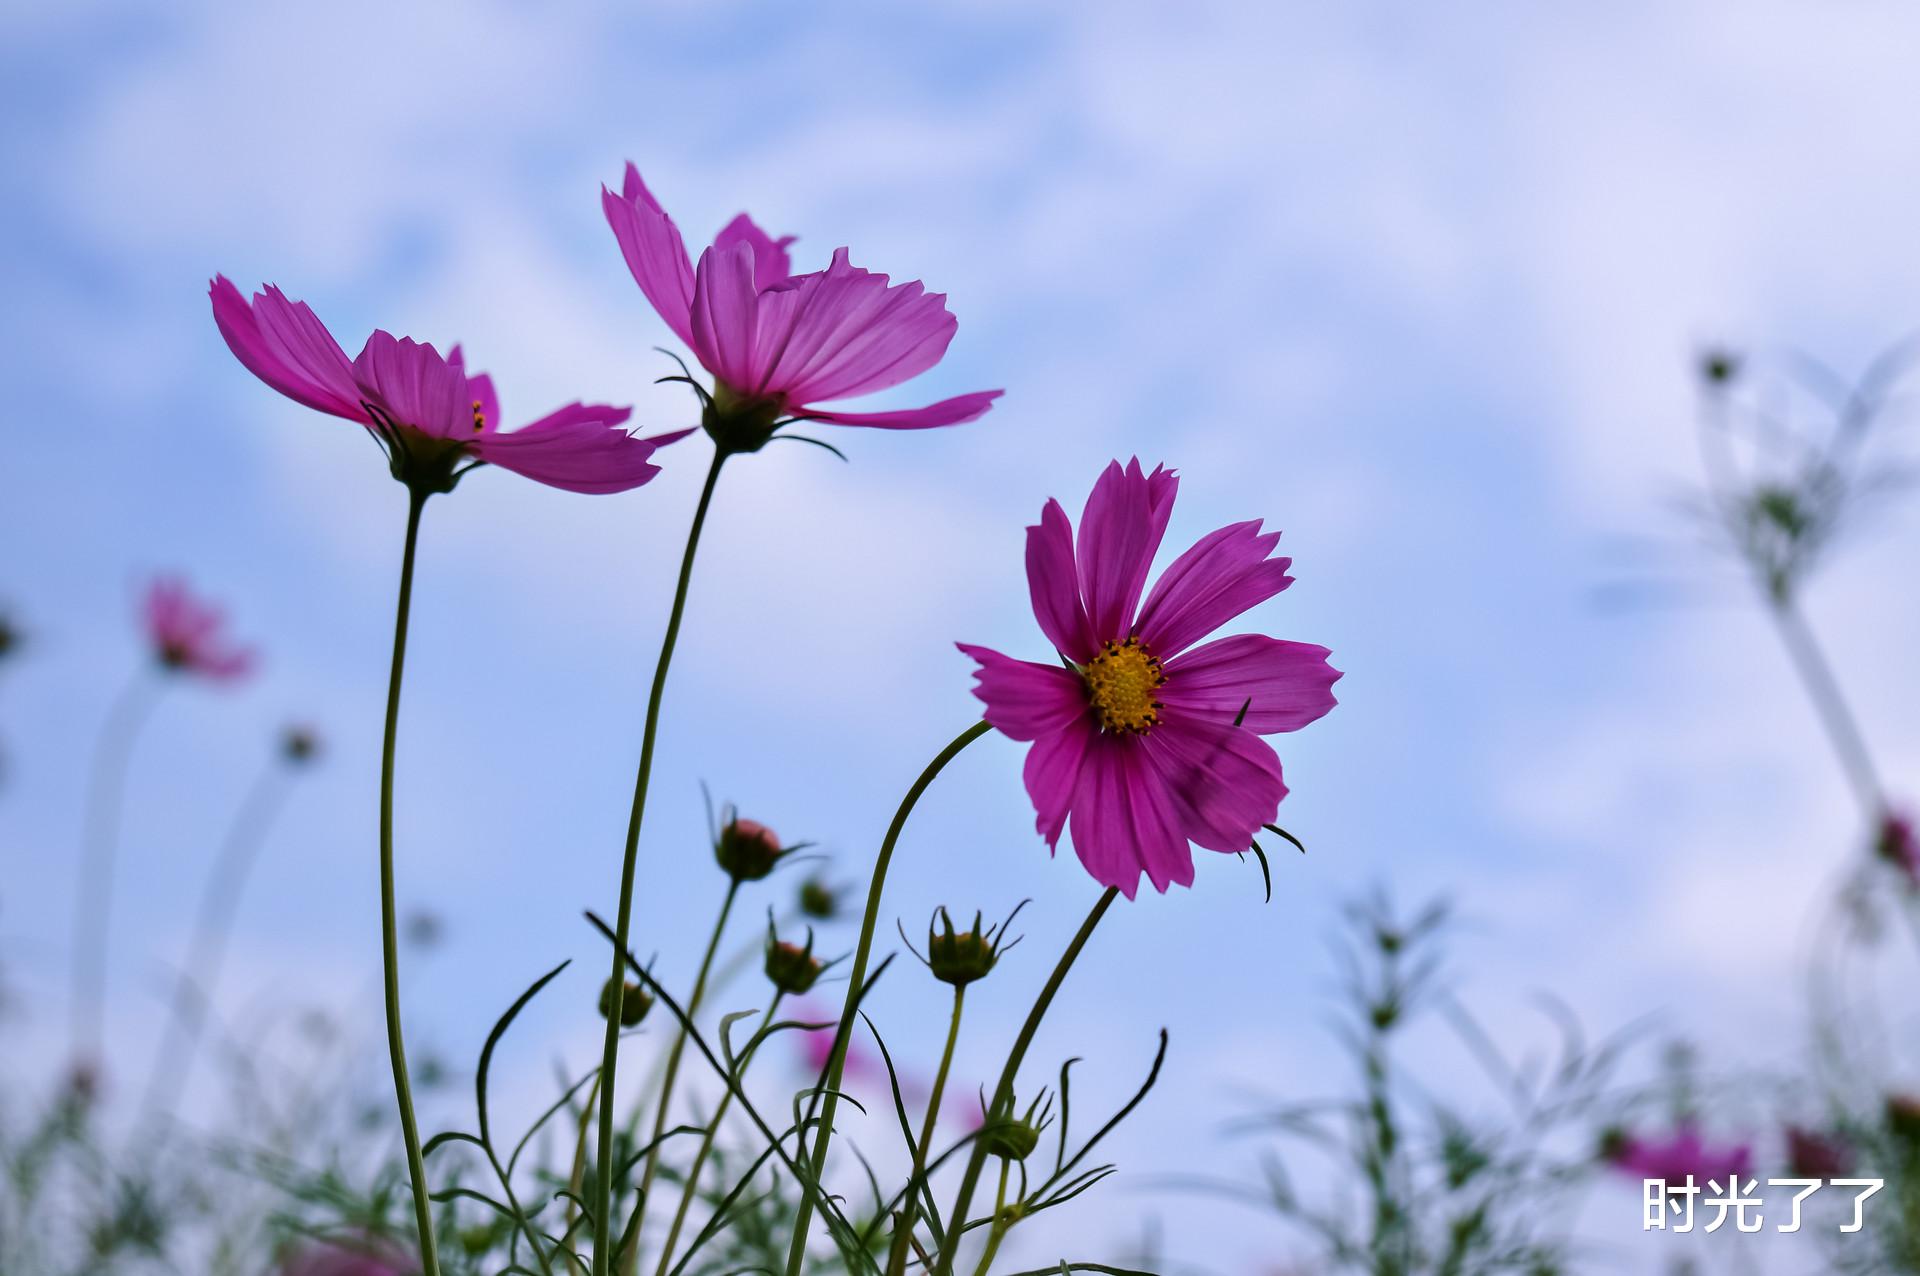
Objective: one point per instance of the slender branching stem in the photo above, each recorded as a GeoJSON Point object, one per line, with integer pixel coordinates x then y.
{"type": "Point", "coordinates": [1002, 1102]}
{"type": "Point", "coordinates": [1836, 716]}
{"type": "Point", "coordinates": [897, 1260]}
{"type": "Point", "coordinates": [610, 1054]}
{"type": "Point", "coordinates": [198, 978]}
{"type": "Point", "coordinates": [856, 982]}
{"type": "Point", "coordinates": [706, 1141]}
{"type": "Point", "coordinates": [93, 897]}
{"type": "Point", "coordinates": [389, 914]}
{"type": "Point", "coordinates": [1001, 1223]}
{"type": "Point", "coordinates": [673, 1072]}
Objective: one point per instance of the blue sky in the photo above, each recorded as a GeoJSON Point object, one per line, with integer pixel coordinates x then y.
{"type": "Point", "coordinates": [1419, 289]}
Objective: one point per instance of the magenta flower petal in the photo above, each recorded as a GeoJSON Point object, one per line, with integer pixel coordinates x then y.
{"type": "Point", "coordinates": [416, 384]}
{"type": "Point", "coordinates": [847, 331]}
{"type": "Point", "coordinates": [655, 254]}
{"type": "Point", "coordinates": [1283, 685]}
{"type": "Point", "coordinates": [771, 265]}
{"type": "Point", "coordinates": [284, 344]}
{"type": "Point", "coordinates": [1224, 781]}
{"type": "Point", "coordinates": [726, 316]}
{"type": "Point", "coordinates": [1054, 584]}
{"type": "Point", "coordinates": [1225, 573]}
{"type": "Point", "coordinates": [1675, 1157]}
{"type": "Point", "coordinates": [1026, 700]}
{"type": "Point", "coordinates": [1122, 827]}
{"type": "Point", "coordinates": [1120, 532]}
{"type": "Point", "coordinates": [1052, 775]}
{"type": "Point", "coordinates": [580, 448]}
{"type": "Point", "coordinates": [958, 410]}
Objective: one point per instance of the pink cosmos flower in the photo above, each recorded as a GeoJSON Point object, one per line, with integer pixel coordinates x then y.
{"type": "Point", "coordinates": [188, 633]}
{"type": "Point", "coordinates": [1144, 741]}
{"type": "Point", "coordinates": [1676, 1156]}
{"type": "Point", "coordinates": [780, 344]}
{"type": "Point", "coordinates": [434, 418]}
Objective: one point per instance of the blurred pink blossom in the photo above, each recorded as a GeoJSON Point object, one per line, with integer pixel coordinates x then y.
{"type": "Point", "coordinates": [1675, 1156]}
{"type": "Point", "coordinates": [188, 633]}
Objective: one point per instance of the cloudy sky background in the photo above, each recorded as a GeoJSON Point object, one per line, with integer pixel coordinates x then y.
{"type": "Point", "coordinates": [1420, 290]}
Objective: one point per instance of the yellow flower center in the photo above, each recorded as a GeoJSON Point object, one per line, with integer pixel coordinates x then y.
{"type": "Point", "coordinates": [1121, 682]}
{"type": "Point", "coordinates": [479, 417]}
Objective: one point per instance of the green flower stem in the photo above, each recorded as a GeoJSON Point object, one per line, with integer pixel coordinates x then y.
{"type": "Point", "coordinates": [389, 922]}
{"type": "Point", "coordinates": [1001, 1224]}
{"type": "Point", "coordinates": [93, 898]}
{"type": "Point", "coordinates": [673, 1071]}
{"type": "Point", "coordinates": [610, 1055]}
{"type": "Point", "coordinates": [207, 945]}
{"type": "Point", "coordinates": [748, 956]}
{"type": "Point", "coordinates": [903, 1235]}
{"type": "Point", "coordinates": [1823, 688]}
{"type": "Point", "coordinates": [1003, 1092]}
{"type": "Point", "coordinates": [856, 981]}
{"type": "Point", "coordinates": [706, 1142]}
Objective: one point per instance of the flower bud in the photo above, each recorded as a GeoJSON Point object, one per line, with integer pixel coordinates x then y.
{"type": "Point", "coordinates": [746, 849]}
{"type": "Point", "coordinates": [959, 957]}
{"type": "Point", "coordinates": [1903, 1117]}
{"type": "Point", "coordinates": [1014, 1138]}
{"type": "Point", "coordinates": [1815, 1155]}
{"type": "Point", "coordinates": [819, 900]}
{"type": "Point", "coordinates": [792, 967]}
{"type": "Point", "coordinates": [635, 1001]}
{"type": "Point", "coordinates": [1719, 366]}
{"type": "Point", "coordinates": [299, 743]}
{"type": "Point", "coordinates": [1896, 843]}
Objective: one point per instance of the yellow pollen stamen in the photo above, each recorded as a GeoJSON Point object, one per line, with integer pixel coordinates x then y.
{"type": "Point", "coordinates": [1121, 683]}
{"type": "Point", "coordinates": [479, 418]}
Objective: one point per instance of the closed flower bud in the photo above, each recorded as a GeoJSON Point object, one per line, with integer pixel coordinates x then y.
{"type": "Point", "coordinates": [1896, 843]}
{"type": "Point", "coordinates": [1719, 366]}
{"type": "Point", "coordinates": [299, 743]}
{"type": "Point", "coordinates": [1014, 1138]}
{"type": "Point", "coordinates": [819, 900]}
{"type": "Point", "coordinates": [1903, 1117]}
{"type": "Point", "coordinates": [959, 957]}
{"type": "Point", "coordinates": [792, 967]}
{"type": "Point", "coordinates": [746, 849]}
{"type": "Point", "coordinates": [634, 1003]}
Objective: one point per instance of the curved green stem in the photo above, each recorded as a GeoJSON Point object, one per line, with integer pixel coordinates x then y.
{"type": "Point", "coordinates": [856, 981]}
{"type": "Point", "coordinates": [610, 1054]}
{"type": "Point", "coordinates": [93, 897]}
{"type": "Point", "coordinates": [910, 1208]}
{"type": "Point", "coordinates": [673, 1071]}
{"type": "Point", "coordinates": [706, 1142]}
{"type": "Point", "coordinates": [207, 944]}
{"type": "Point", "coordinates": [1003, 1092]}
{"type": "Point", "coordinates": [389, 918]}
